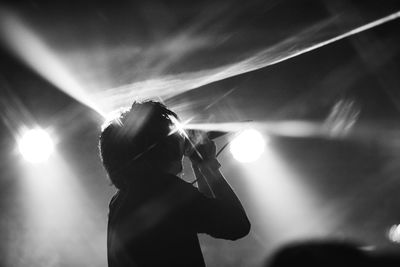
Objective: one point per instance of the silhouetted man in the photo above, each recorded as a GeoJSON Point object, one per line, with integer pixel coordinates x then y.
{"type": "Point", "coordinates": [155, 216]}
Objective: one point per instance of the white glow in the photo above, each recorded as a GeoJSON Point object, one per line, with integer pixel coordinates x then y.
{"type": "Point", "coordinates": [36, 146]}
{"type": "Point", "coordinates": [394, 233]}
{"type": "Point", "coordinates": [58, 215]}
{"type": "Point", "coordinates": [283, 203]}
{"type": "Point", "coordinates": [248, 146]}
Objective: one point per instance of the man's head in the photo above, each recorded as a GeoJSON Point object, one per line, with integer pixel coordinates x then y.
{"type": "Point", "coordinates": [141, 135]}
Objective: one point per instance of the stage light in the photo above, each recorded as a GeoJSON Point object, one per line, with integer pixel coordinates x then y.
{"type": "Point", "coordinates": [36, 145]}
{"type": "Point", "coordinates": [248, 146]}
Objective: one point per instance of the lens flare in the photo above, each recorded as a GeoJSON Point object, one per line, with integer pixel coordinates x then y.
{"type": "Point", "coordinates": [177, 126]}
{"type": "Point", "coordinates": [248, 146]}
{"type": "Point", "coordinates": [36, 146]}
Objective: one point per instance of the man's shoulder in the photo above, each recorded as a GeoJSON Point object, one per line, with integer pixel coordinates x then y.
{"type": "Point", "coordinates": [173, 180]}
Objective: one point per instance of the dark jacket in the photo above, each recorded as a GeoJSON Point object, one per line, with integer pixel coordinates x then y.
{"type": "Point", "coordinates": [155, 222]}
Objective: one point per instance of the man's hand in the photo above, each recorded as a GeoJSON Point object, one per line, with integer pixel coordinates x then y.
{"type": "Point", "coordinates": [211, 183]}
{"type": "Point", "coordinates": [204, 149]}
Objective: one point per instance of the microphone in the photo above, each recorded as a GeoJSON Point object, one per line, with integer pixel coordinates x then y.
{"type": "Point", "coordinates": [215, 134]}
{"type": "Point", "coordinates": [195, 135]}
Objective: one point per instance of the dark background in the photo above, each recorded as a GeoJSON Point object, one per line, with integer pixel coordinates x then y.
{"type": "Point", "coordinates": [349, 182]}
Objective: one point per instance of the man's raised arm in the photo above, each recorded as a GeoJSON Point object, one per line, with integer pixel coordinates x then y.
{"type": "Point", "coordinates": [212, 183]}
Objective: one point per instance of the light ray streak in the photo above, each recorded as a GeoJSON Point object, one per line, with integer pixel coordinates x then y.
{"type": "Point", "coordinates": [219, 98]}
{"type": "Point", "coordinates": [281, 128]}
{"type": "Point", "coordinates": [304, 42]}
{"type": "Point", "coordinates": [297, 52]}
{"type": "Point", "coordinates": [269, 182]}
{"type": "Point", "coordinates": [59, 217]}
{"type": "Point", "coordinates": [385, 134]}
{"type": "Point", "coordinates": [39, 56]}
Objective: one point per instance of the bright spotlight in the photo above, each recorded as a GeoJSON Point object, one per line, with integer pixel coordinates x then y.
{"type": "Point", "coordinates": [36, 146]}
{"type": "Point", "coordinates": [248, 146]}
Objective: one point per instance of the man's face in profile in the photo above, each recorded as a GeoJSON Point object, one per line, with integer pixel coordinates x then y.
{"type": "Point", "coordinates": [179, 144]}
{"type": "Point", "coordinates": [176, 165]}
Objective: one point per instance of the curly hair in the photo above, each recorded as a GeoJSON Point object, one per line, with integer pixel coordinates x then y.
{"type": "Point", "coordinates": [139, 134]}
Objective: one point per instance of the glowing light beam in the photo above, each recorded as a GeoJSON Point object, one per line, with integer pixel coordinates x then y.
{"type": "Point", "coordinates": [58, 217]}
{"type": "Point", "coordinates": [283, 205]}
{"type": "Point", "coordinates": [288, 128]}
{"type": "Point", "coordinates": [170, 85]}
{"type": "Point", "coordinates": [40, 57]}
